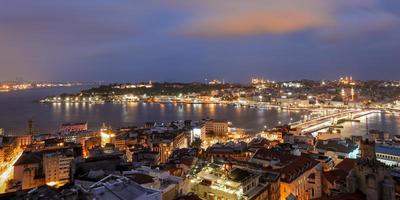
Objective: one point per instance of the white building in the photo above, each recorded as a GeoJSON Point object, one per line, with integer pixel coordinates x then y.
{"type": "Point", "coordinates": [388, 154]}
{"type": "Point", "coordinates": [170, 186]}
{"type": "Point", "coordinates": [118, 187]}
{"type": "Point", "coordinates": [337, 149]}
{"type": "Point", "coordinates": [57, 168]}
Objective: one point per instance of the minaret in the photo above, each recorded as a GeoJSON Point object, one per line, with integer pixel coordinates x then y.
{"type": "Point", "coordinates": [367, 148]}
{"type": "Point", "coordinates": [30, 127]}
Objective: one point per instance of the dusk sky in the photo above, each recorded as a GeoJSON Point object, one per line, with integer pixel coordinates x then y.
{"type": "Point", "coordinates": [190, 40]}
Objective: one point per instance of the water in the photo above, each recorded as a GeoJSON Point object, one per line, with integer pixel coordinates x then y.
{"type": "Point", "coordinates": [16, 108]}
{"type": "Point", "coordinates": [389, 123]}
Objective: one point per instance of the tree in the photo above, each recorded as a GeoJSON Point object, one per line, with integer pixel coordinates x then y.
{"type": "Point", "coordinates": [196, 143]}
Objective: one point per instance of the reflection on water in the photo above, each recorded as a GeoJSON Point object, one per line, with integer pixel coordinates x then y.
{"type": "Point", "coordinates": [377, 121]}
{"type": "Point", "coordinates": [16, 108]}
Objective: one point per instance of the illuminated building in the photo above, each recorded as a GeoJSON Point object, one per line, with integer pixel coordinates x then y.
{"type": "Point", "coordinates": [272, 135]}
{"type": "Point", "coordinates": [337, 149]}
{"type": "Point", "coordinates": [9, 145]}
{"type": "Point", "coordinates": [217, 127]}
{"type": "Point", "coordinates": [41, 166]}
{"type": "Point", "coordinates": [228, 151]}
{"type": "Point", "coordinates": [2, 156]}
{"type": "Point", "coordinates": [120, 142]}
{"type": "Point", "coordinates": [57, 168]}
{"type": "Point", "coordinates": [348, 94]}
{"type": "Point", "coordinates": [258, 81]}
{"type": "Point", "coordinates": [74, 127]}
{"type": "Point", "coordinates": [24, 140]}
{"type": "Point", "coordinates": [166, 142]}
{"type": "Point", "coordinates": [197, 132]}
{"type": "Point", "coordinates": [222, 182]}
{"type": "Point", "coordinates": [29, 170]}
{"type": "Point", "coordinates": [89, 144]}
{"type": "Point", "coordinates": [215, 82]}
{"type": "Point", "coordinates": [106, 134]}
{"type": "Point", "coordinates": [300, 175]}
{"type": "Point", "coordinates": [348, 80]}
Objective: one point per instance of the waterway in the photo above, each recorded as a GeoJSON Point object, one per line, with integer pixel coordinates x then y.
{"type": "Point", "coordinates": [17, 107]}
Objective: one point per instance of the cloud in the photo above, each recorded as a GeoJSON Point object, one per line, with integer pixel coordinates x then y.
{"type": "Point", "coordinates": [238, 17]}
{"type": "Point", "coordinates": [361, 25]}
{"type": "Point", "coordinates": [214, 18]}
{"type": "Point", "coordinates": [132, 40]}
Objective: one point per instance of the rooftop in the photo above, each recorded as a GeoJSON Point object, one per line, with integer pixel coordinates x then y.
{"type": "Point", "coordinates": [387, 149]}
{"type": "Point", "coordinates": [343, 146]}
{"type": "Point", "coordinates": [240, 175]}
{"type": "Point", "coordinates": [117, 187]}
{"type": "Point", "coordinates": [140, 178]}
{"type": "Point", "coordinates": [29, 158]}
{"type": "Point", "coordinates": [290, 166]}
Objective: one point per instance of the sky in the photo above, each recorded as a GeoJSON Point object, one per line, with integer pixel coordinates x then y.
{"type": "Point", "coordinates": [194, 40]}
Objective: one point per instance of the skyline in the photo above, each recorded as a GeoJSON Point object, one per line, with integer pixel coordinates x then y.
{"type": "Point", "coordinates": [191, 41]}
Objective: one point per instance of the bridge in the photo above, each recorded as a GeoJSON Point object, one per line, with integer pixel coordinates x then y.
{"type": "Point", "coordinates": [327, 121]}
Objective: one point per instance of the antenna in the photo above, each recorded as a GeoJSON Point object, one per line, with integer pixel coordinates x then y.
{"type": "Point", "coordinates": [366, 124]}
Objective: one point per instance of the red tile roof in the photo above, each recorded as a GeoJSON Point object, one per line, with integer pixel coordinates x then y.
{"type": "Point", "coordinates": [346, 165]}
{"type": "Point", "coordinates": [335, 175]}
{"type": "Point", "coordinates": [292, 166]}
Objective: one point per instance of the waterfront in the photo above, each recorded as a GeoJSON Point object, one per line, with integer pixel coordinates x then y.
{"type": "Point", "coordinates": [389, 123]}
{"type": "Point", "coordinates": [18, 107]}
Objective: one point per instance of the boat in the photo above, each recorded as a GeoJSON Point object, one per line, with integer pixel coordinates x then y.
{"type": "Point", "coordinates": [396, 138]}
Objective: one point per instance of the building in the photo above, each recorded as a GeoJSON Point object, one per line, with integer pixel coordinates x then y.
{"type": "Point", "coordinates": [215, 82]}
{"type": "Point", "coordinates": [388, 154]}
{"type": "Point", "coordinates": [219, 128]}
{"type": "Point", "coordinates": [375, 135]}
{"type": "Point", "coordinates": [272, 135]}
{"type": "Point", "coordinates": [24, 140]}
{"type": "Point", "coordinates": [294, 138]}
{"type": "Point", "coordinates": [166, 142]}
{"type": "Point", "coordinates": [29, 170]}
{"type": "Point", "coordinates": [197, 133]}
{"type": "Point", "coordinates": [8, 148]}
{"type": "Point", "coordinates": [42, 192]}
{"type": "Point", "coordinates": [220, 182]}
{"type": "Point", "coordinates": [106, 135]}
{"type": "Point", "coordinates": [2, 155]}
{"type": "Point", "coordinates": [145, 158]}
{"type": "Point", "coordinates": [326, 162]}
{"type": "Point", "coordinates": [57, 168]}
{"type": "Point", "coordinates": [115, 187]}
{"type": "Point", "coordinates": [45, 166]}
{"type": "Point", "coordinates": [337, 149]}
{"type": "Point", "coordinates": [300, 175]}
{"type": "Point", "coordinates": [370, 176]}
{"type": "Point", "coordinates": [74, 127]}
{"type": "Point", "coordinates": [228, 151]}
{"type": "Point", "coordinates": [170, 186]}
{"type": "Point", "coordinates": [334, 181]}
{"type": "Point", "coordinates": [182, 161]}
